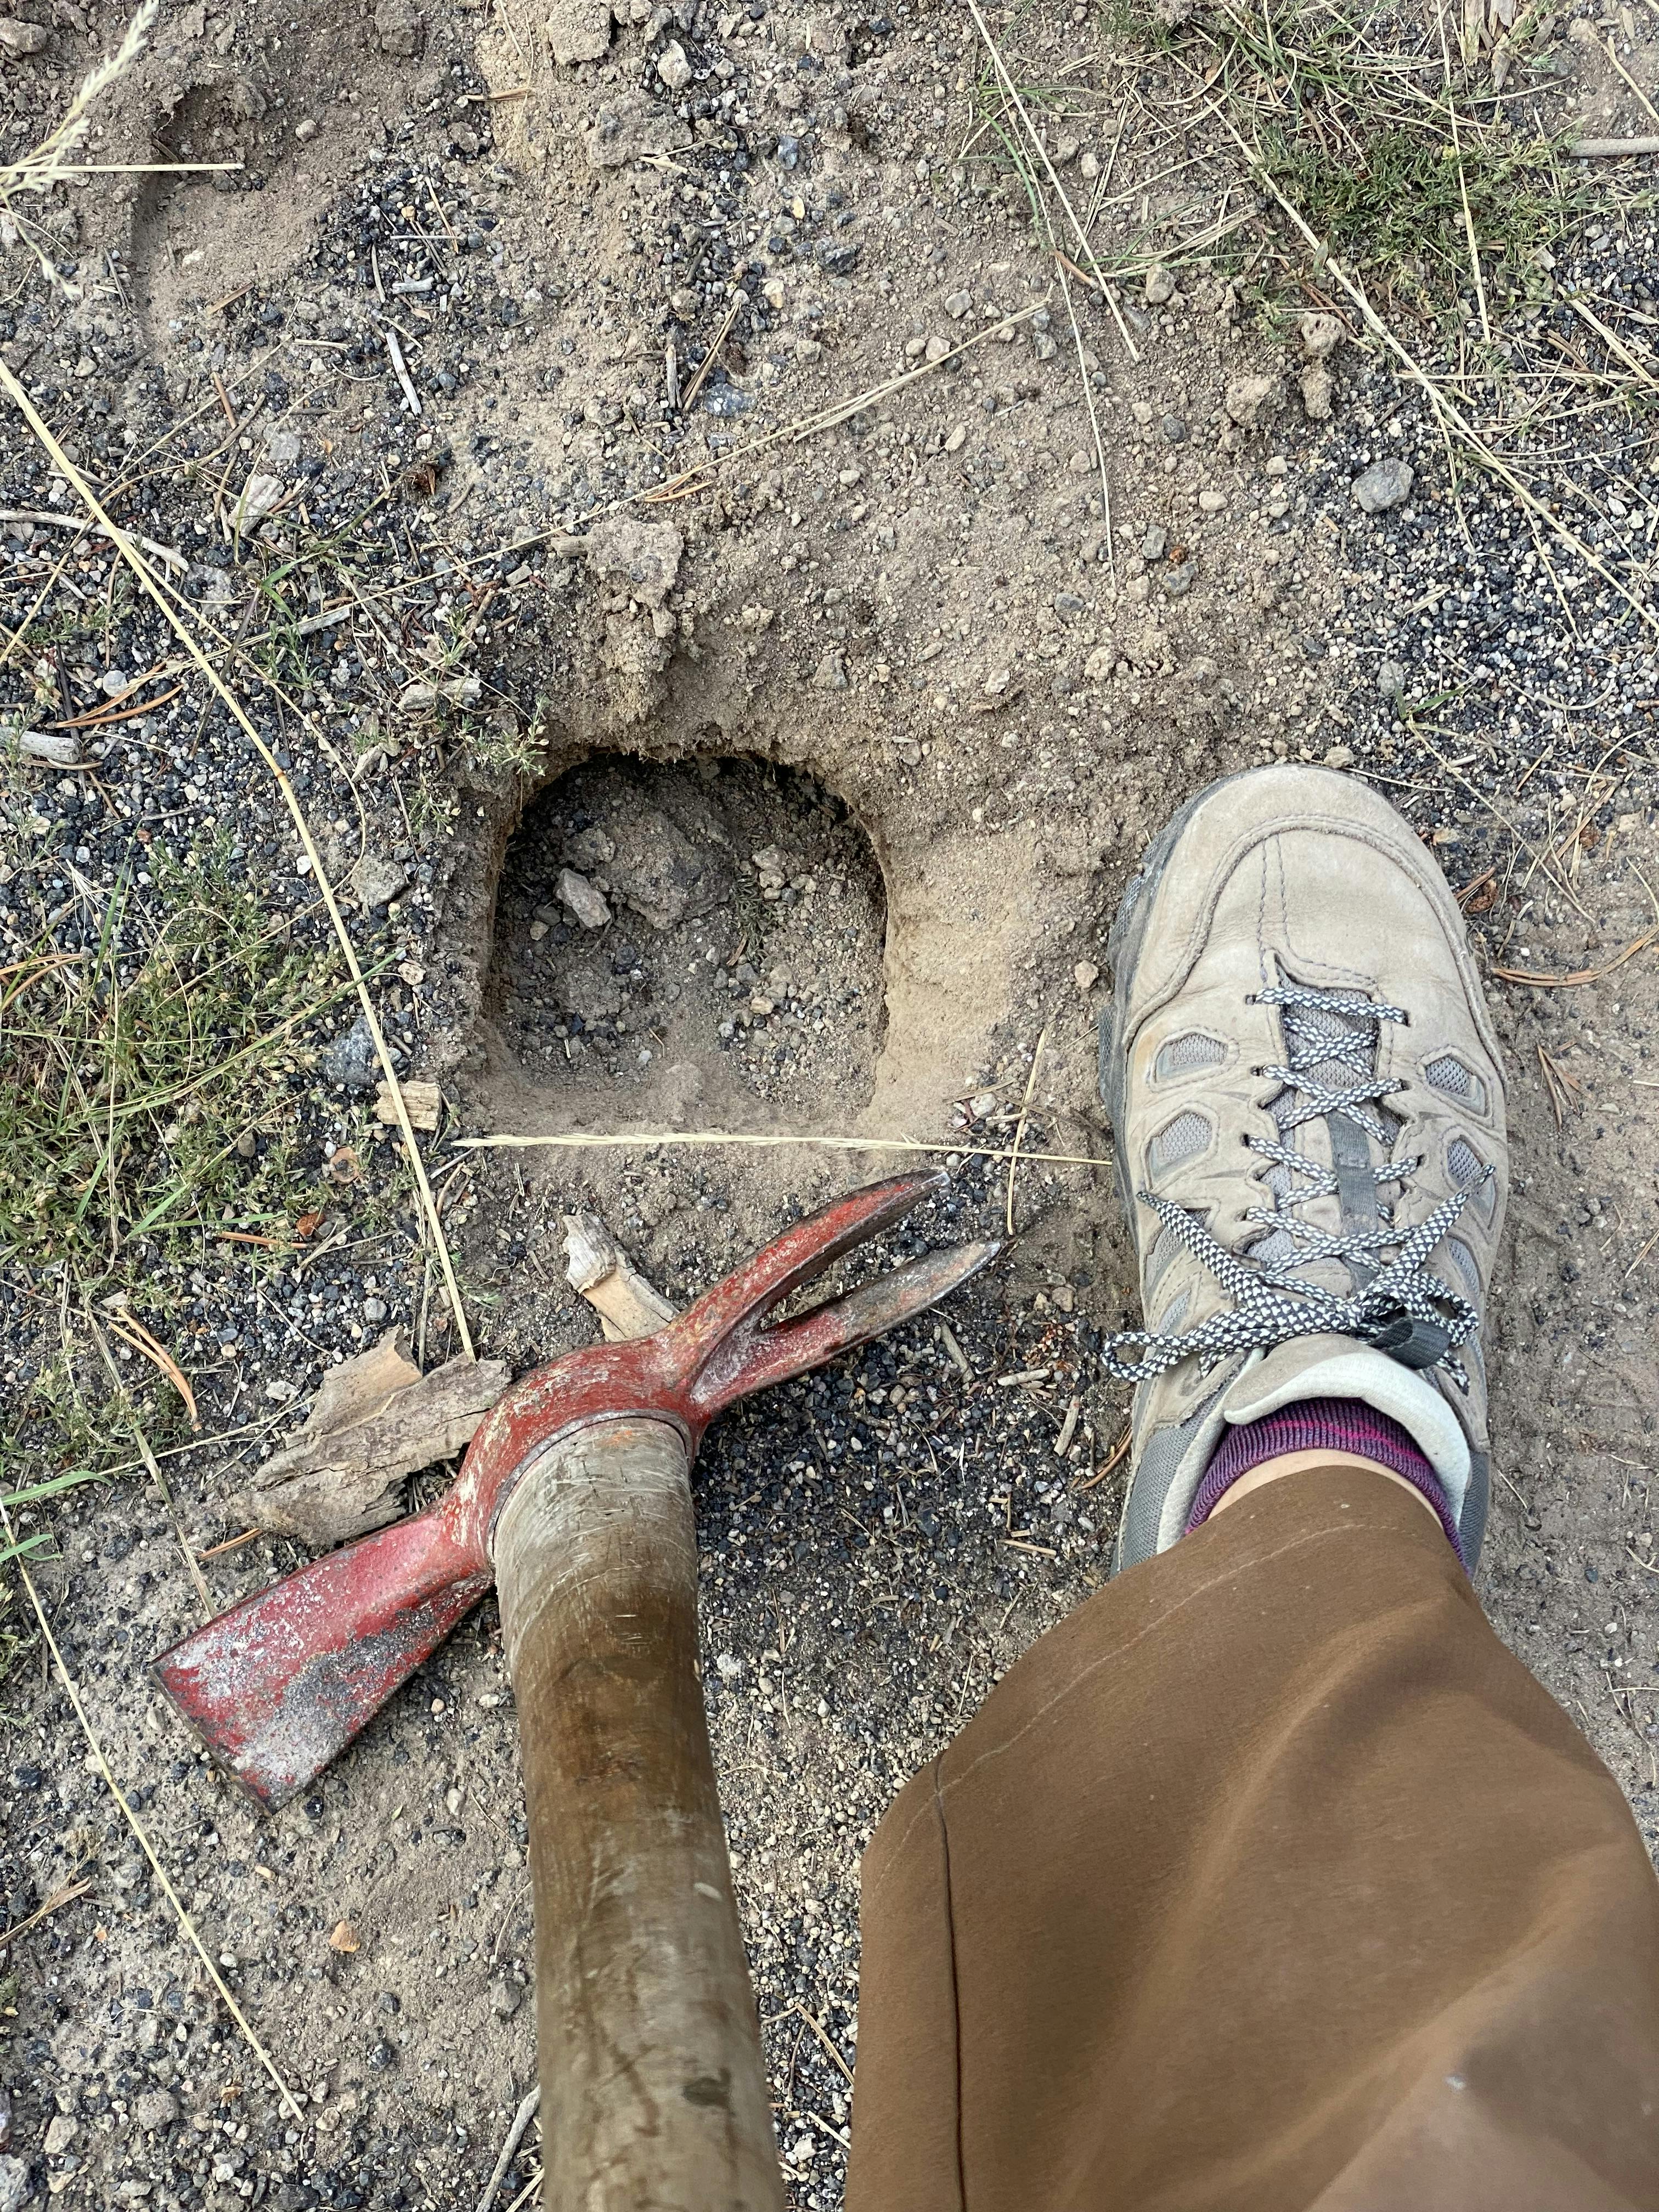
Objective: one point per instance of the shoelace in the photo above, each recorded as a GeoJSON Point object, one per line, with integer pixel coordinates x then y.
{"type": "Point", "coordinates": [1404, 1309]}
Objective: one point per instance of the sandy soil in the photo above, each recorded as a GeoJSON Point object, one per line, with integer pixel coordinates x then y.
{"type": "Point", "coordinates": [856, 739]}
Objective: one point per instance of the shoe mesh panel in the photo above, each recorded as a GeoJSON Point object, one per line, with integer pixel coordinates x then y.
{"type": "Point", "coordinates": [1178, 1140]}
{"type": "Point", "coordinates": [1184, 1056]}
{"type": "Point", "coordinates": [1457, 1081]}
{"type": "Point", "coordinates": [1464, 1162]}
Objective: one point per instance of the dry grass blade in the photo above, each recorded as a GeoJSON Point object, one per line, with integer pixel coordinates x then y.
{"type": "Point", "coordinates": [142, 1837]}
{"type": "Point", "coordinates": [1094, 419]}
{"type": "Point", "coordinates": [187, 636]}
{"type": "Point", "coordinates": [1019, 1128]}
{"type": "Point", "coordinates": [708, 360]}
{"type": "Point", "coordinates": [1079, 230]}
{"type": "Point", "coordinates": [55, 1903]}
{"type": "Point", "coordinates": [1446, 411]}
{"type": "Point", "coordinates": [622, 1139]}
{"type": "Point", "coordinates": [1541, 982]}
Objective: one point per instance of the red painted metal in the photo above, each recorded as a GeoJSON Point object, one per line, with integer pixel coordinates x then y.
{"type": "Point", "coordinates": [278, 1685]}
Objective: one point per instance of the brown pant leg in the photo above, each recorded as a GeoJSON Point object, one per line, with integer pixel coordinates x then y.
{"type": "Point", "coordinates": [1268, 1880]}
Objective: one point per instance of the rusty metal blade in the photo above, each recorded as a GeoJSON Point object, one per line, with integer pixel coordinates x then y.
{"type": "Point", "coordinates": [775, 1354]}
{"type": "Point", "coordinates": [277, 1688]}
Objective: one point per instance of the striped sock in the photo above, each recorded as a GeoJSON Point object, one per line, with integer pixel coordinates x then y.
{"type": "Point", "coordinates": [1329, 1425]}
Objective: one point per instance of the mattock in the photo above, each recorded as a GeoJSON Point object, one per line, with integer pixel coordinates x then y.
{"type": "Point", "coordinates": [574, 1499]}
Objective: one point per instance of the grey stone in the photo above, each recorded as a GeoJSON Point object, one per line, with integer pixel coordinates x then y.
{"type": "Point", "coordinates": [1391, 679]}
{"type": "Point", "coordinates": [15, 2191]}
{"type": "Point", "coordinates": [673, 68]}
{"type": "Point", "coordinates": [1384, 485]}
{"type": "Point", "coordinates": [1160, 285]}
{"type": "Point", "coordinates": [583, 902]}
{"type": "Point", "coordinates": [20, 38]}
{"type": "Point", "coordinates": [504, 1996]}
{"type": "Point", "coordinates": [157, 2109]}
{"type": "Point", "coordinates": [1317, 391]}
{"type": "Point", "coordinates": [377, 880]}
{"type": "Point", "coordinates": [352, 1059]}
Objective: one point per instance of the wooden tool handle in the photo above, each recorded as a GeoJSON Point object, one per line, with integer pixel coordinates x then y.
{"type": "Point", "coordinates": [653, 2092]}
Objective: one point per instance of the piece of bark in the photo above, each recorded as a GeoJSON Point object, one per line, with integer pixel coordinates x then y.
{"type": "Point", "coordinates": [375, 1419]}
{"type": "Point", "coordinates": [423, 1100]}
{"type": "Point", "coordinates": [627, 1303]}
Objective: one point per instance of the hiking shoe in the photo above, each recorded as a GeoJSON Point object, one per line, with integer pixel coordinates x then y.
{"type": "Point", "coordinates": [1307, 1102]}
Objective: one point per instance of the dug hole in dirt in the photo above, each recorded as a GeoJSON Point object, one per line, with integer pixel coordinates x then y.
{"type": "Point", "coordinates": [794, 801]}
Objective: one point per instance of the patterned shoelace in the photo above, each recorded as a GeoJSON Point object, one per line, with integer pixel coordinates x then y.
{"type": "Point", "coordinates": [1403, 1307]}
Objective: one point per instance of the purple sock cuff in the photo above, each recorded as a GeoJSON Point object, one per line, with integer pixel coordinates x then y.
{"type": "Point", "coordinates": [1323, 1425]}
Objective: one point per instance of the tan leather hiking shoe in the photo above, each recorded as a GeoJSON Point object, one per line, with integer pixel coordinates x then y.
{"type": "Point", "coordinates": [1308, 1104]}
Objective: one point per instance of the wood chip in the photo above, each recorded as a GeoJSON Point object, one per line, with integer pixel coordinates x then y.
{"type": "Point", "coordinates": [375, 1419]}
{"type": "Point", "coordinates": [424, 1101]}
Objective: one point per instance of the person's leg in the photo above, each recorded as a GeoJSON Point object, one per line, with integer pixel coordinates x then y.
{"type": "Point", "coordinates": [1271, 1879]}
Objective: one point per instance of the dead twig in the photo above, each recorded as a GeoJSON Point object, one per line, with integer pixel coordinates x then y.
{"type": "Point", "coordinates": [1019, 1127]}
{"type": "Point", "coordinates": [515, 2135]}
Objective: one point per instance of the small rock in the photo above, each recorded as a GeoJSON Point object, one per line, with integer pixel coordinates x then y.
{"type": "Point", "coordinates": [957, 305]}
{"type": "Point", "coordinates": [157, 2109]}
{"type": "Point", "coordinates": [727, 1666]}
{"type": "Point", "coordinates": [504, 1996]}
{"type": "Point", "coordinates": [1174, 427]}
{"type": "Point", "coordinates": [958, 439]}
{"type": "Point", "coordinates": [259, 494]}
{"type": "Point", "coordinates": [1086, 975]}
{"type": "Point", "coordinates": [1249, 397]}
{"type": "Point", "coordinates": [1160, 285]}
{"type": "Point", "coordinates": [1317, 392]}
{"type": "Point", "coordinates": [1099, 665]}
{"type": "Point", "coordinates": [1178, 581]}
{"type": "Point", "coordinates": [1322, 335]}
{"type": "Point", "coordinates": [997, 682]}
{"type": "Point", "coordinates": [583, 902]}
{"type": "Point", "coordinates": [673, 68]}
{"type": "Point", "coordinates": [1339, 756]}
{"type": "Point", "coordinates": [1155, 543]}
{"type": "Point", "coordinates": [1391, 679]}
{"type": "Point", "coordinates": [830, 674]}
{"type": "Point", "coordinates": [284, 447]}
{"type": "Point", "coordinates": [936, 348]}
{"type": "Point", "coordinates": [19, 38]}
{"type": "Point", "coordinates": [247, 1145]}
{"type": "Point", "coordinates": [60, 2134]}
{"type": "Point", "coordinates": [376, 880]}
{"type": "Point", "coordinates": [305, 130]}
{"type": "Point", "coordinates": [1213, 502]}
{"type": "Point", "coordinates": [14, 2190]}
{"type": "Point", "coordinates": [1089, 166]}
{"type": "Point", "coordinates": [400, 28]}
{"type": "Point", "coordinates": [1384, 485]}
{"type": "Point", "coordinates": [352, 1059]}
